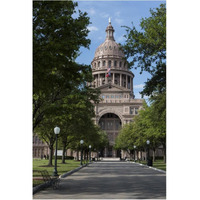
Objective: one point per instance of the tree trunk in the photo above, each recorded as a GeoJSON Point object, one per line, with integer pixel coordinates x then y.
{"type": "Point", "coordinates": [50, 155]}
{"type": "Point", "coordinates": [154, 152]}
{"type": "Point", "coordinates": [63, 153]}
{"type": "Point", "coordinates": [87, 155]}
{"type": "Point", "coordinates": [77, 155]}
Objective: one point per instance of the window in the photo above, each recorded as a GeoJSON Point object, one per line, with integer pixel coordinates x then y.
{"type": "Point", "coordinates": [107, 96]}
{"type": "Point", "coordinates": [104, 63]}
{"type": "Point", "coordinates": [103, 97]}
{"type": "Point", "coordinates": [111, 125]}
{"type": "Point", "coordinates": [131, 111]}
{"type": "Point", "coordinates": [112, 96]}
{"type": "Point", "coordinates": [102, 125]}
{"type": "Point", "coordinates": [120, 64]}
{"type": "Point", "coordinates": [115, 63]}
{"type": "Point", "coordinates": [136, 111]}
{"type": "Point", "coordinates": [98, 64]}
{"type": "Point", "coordinates": [109, 63]}
{"type": "Point", "coordinates": [108, 125]}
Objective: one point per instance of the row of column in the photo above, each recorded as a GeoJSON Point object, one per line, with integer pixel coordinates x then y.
{"type": "Point", "coordinates": [99, 82]}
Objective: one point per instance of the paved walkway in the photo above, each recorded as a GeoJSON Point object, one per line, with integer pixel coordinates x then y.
{"type": "Point", "coordinates": [110, 180]}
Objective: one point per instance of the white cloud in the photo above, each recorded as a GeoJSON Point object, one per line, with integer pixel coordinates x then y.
{"type": "Point", "coordinates": [145, 97]}
{"type": "Point", "coordinates": [119, 20]}
{"type": "Point", "coordinates": [137, 95]}
{"type": "Point", "coordinates": [104, 15]}
{"type": "Point", "coordinates": [117, 14]}
{"type": "Point", "coordinates": [92, 11]}
{"type": "Point", "coordinates": [140, 86]}
{"type": "Point", "coordinates": [92, 28]}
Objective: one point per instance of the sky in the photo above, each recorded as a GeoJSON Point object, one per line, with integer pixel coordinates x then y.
{"type": "Point", "coordinates": [122, 13]}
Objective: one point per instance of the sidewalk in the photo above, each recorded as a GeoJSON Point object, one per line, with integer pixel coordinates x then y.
{"type": "Point", "coordinates": [117, 180]}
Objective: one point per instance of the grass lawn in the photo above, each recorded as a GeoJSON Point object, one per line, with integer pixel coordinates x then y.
{"type": "Point", "coordinates": [159, 164]}
{"type": "Point", "coordinates": [41, 164]}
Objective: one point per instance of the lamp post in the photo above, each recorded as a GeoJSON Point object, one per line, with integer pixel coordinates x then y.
{"type": "Point", "coordinates": [148, 142]}
{"type": "Point", "coordinates": [134, 151]}
{"type": "Point", "coordinates": [56, 131]}
{"type": "Point", "coordinates": [81, 142]}
{"type": "Point", "coordinates": [90, 153]}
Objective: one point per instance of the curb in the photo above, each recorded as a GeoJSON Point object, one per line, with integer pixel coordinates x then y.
{"type": "Point", "coordinates": [39, 187]}
{"type": "Point", "coordinates": [45, 185]}
{"type": "Point", "coordinates": [72, 171]}
{"type": "Point", "coordinates": [160, 170]}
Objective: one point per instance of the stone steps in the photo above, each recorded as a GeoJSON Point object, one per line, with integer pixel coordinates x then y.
{"type": "Point", "coordinates": [109, 159]}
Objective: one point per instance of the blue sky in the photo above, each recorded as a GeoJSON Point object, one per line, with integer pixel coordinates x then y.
{"type": "Point", "coordinates": [122, 13]}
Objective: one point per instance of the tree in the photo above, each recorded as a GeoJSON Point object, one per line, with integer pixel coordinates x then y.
{"type": "Point", "coordinates": [158, 119]}
{"type": "Point", "coordinates": [147, 49]}
{"type": "Point", "coordinates": [59, 83]}
{"type": "Point", "coordinates": [46, 133]}
{"type": "Point", "coordinates": [76, 119]}
{"type": "Point", "coordinates": [57, 38]}
{"type": "Point", "coordinates": [148, 125]}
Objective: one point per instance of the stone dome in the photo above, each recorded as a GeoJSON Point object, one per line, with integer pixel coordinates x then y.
{"type": "Point", "coordinates": [109, 47]}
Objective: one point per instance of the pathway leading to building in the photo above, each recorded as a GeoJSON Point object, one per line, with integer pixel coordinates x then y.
{"type": "Point", "coordinates": [106, 180]}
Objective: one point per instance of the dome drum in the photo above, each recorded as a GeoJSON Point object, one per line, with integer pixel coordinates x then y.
{"type": "Point", "coordinates": [115, 63]}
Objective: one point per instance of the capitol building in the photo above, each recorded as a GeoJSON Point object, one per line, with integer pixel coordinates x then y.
{"type": "Point", "coordinates": [115, 81]}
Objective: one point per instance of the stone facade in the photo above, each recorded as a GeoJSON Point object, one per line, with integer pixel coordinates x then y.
{"type": "Point", "coordinates": [40, 149]}
{"type": "Point", "coordinates": [118, 105]}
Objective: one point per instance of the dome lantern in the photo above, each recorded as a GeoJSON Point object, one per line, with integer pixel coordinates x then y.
{"type": "Point", "coordinates": [110, 30]}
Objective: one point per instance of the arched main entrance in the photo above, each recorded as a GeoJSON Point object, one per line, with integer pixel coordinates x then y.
{"type": "Point", "coordinates": [111, 124]}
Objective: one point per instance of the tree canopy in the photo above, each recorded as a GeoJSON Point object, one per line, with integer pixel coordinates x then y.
{"type": "Point", "coordinates": [149, 124]}
{"type": "Point", "coordinates": [147, 49]}
{"type": "Point", "coordinates": [60, 93]}
{"type": "Point", "coordinates": [57, 38]}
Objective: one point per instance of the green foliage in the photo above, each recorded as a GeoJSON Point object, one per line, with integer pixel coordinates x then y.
{"type": "Point", "coordinates": [93, 136]}
{"type": "Point", "coordinates": [147, 49]}
{"type": "Point", "coordinates": [150, 124]}
{"type": "Point", "coordinates": [57, 38]}
{"type": "Point", "coordinates": [60, 93]}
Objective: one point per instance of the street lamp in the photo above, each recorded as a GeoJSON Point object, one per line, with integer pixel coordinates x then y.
{"type": "Point", "coordinates": [134, 151]}
{"type": "Point", "coordinates": [81, 142]}
{"type": "Point", "coordinates": [148, 142]}
{"type": "Point", "coordinates": [90, 152]}
{"type": "Point", "coordinates": [56, 131]}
